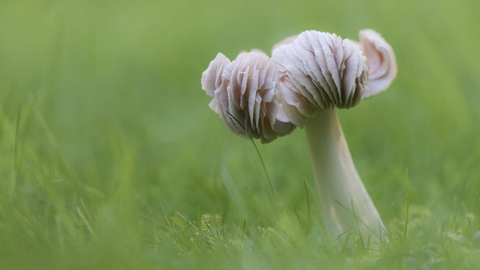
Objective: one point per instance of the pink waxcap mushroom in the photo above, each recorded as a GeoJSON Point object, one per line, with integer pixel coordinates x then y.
{"type": "Point", "coordinates": [381, 60]}
{"type": "Point", "coordinates": [245, 95]}
{"type": "Point", "coordinates": [319, 71]}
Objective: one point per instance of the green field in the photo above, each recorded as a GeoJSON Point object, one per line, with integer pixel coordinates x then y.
{"type": "Point", "coordinates": [110, 157]}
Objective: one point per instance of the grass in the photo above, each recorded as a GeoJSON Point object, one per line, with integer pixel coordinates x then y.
{"type": "Point", "coordinates": [111, 158]}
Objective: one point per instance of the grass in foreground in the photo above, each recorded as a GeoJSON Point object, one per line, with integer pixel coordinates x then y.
{"type": "Point", "coordinates": [67, 223]}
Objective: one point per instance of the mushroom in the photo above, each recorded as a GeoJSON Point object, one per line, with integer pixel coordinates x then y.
{"type": "Point", "coordinates": [245, 95]}
{"type": "Point", "coordinates": [307, 78]}
{"type": "Point", "coordinates": [319, 72]}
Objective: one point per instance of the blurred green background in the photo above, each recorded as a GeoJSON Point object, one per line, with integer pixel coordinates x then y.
{"type": "Point", "coordinates": [108, 146]}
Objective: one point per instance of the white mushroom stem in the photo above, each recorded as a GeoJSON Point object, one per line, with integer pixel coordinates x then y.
{"type": "Point", "coordinates": [347, 208]}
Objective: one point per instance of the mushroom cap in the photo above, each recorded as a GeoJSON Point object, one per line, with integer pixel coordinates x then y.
{"type": "Point", "coordinates": [319, 71]}
{"type": "Point", "coordinates": [381, 60]}
{"type": "Point", "coordinates": [245, 95]}
{"type": "Point", "coordinates": [265, 98]}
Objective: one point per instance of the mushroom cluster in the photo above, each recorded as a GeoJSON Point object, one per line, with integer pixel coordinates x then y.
{"type": "Point", "coordinates": [308, 76]}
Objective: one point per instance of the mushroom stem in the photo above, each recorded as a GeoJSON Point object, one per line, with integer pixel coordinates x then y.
{"type": "Point", "coordinates": [347, 207]}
